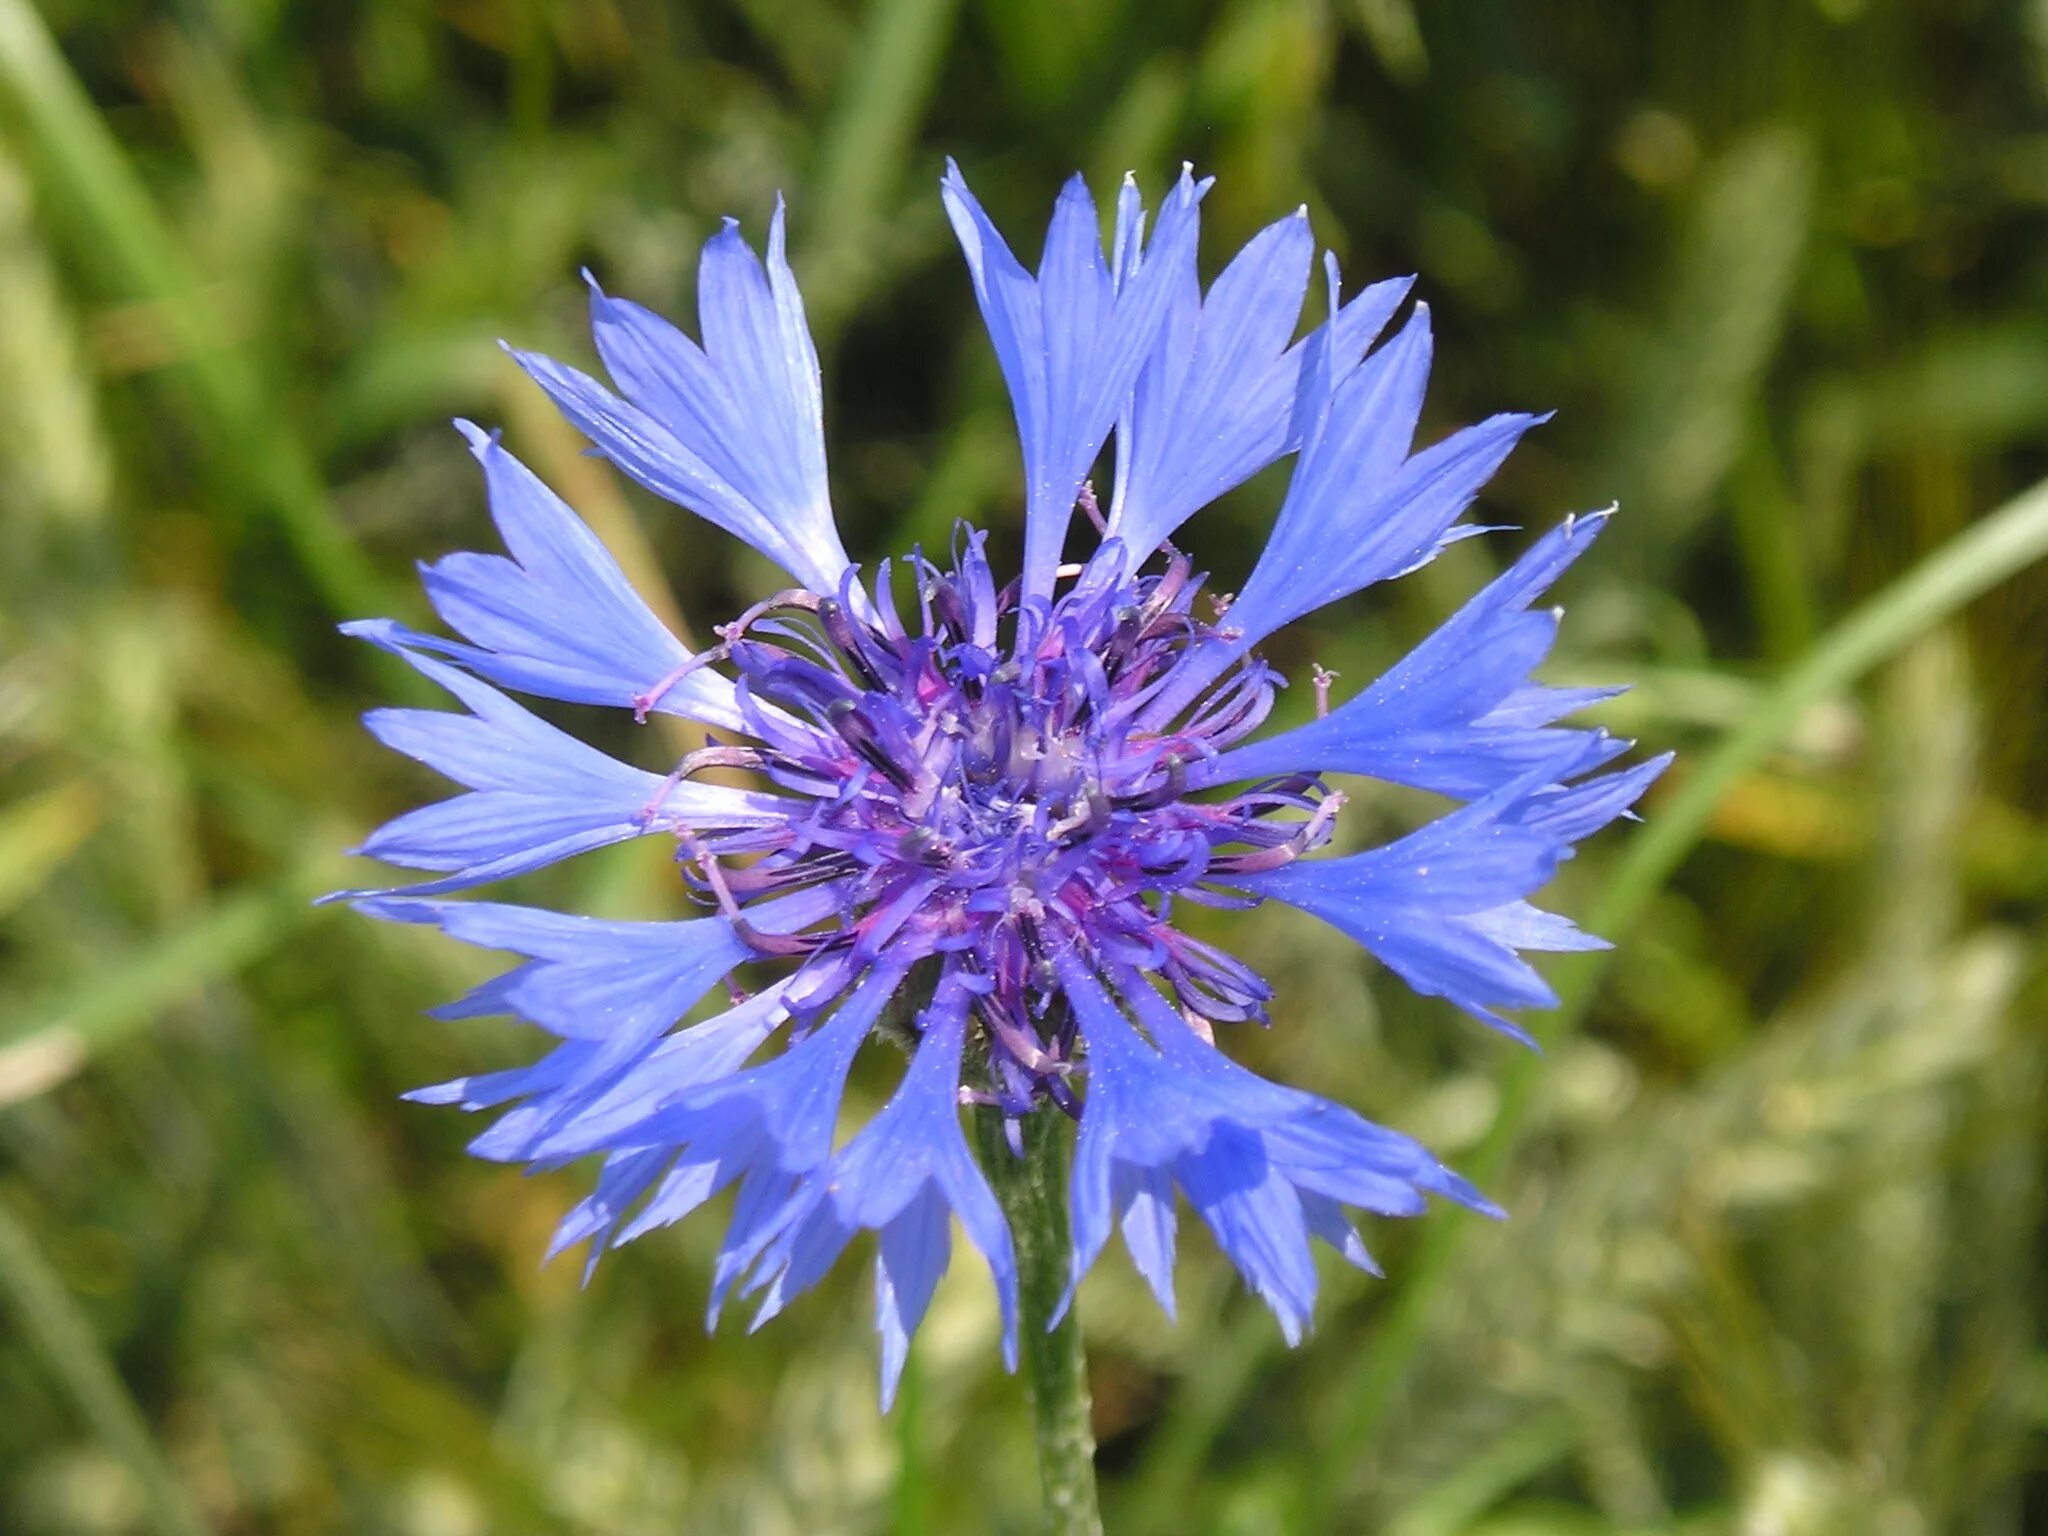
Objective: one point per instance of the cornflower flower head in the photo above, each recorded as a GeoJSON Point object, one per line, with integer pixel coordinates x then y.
{"type": "Point", "coordinates": [979, 804]}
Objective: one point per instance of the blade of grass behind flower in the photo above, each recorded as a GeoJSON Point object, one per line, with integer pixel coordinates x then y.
{"type": "Point", "coordinates": [865, 150]}
{"type": "Point", "coordinates": [130, 991]}
{"type": "Point", "coordinates": [51, 1320]}
{"type": "Point", "coordinates": [117, 224]}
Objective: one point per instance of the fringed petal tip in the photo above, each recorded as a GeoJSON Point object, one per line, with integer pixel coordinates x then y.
{"type": "Point", "coordinates": [1266, 1167]}
{"type": "Point", "coordinates": [480, 441]}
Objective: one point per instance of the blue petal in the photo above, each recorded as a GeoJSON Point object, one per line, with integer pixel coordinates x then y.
{"type": "Point", "coordinates": [1146, 1197]}
{"type": "Point", "coordinates": [1457, 715]}
{"type": "Point", "coordinates": [1444, 907]}
{"type": "Point", "coordinates": [1356, 447]}
{"type": "Point", "coordinates": [1333, 350]}
{"type": "Point", "coordinates": [1070, 341]}
{"type": "Point", "coordinates": [1266, 1167]}
{"type": "Point", "coordinates": [1217, 401]}
{"type": "Point", "coordinates": [1326, 1219]}
{"type": "Point", "coordinates": [1521, 926]}
{"type": "Point", "coordinates": [1539, 705]}
{"type": "Point", "coordinates": [686, 1186]}
{"type": "Point", "coordinates": [748, 402]}
{"type": "Point", "coordinates": [592, 979]}
{"type": "Point", "coordinates": [764, 1125]}
{"type": "Point", "coordinates": [487, 1090]}
{"type": "Point", "coordinates": [1179, 442]}
{"type": "Point", "coordinates": [1360, 511]}
{"type": "Point", "coordinates": [558, 618]}
{"type": "Point", "coordinates": [899, 1176]}
{"type": "Point", "coordinates": [588, 980]}
{"type": "Point", "coordinates": [702, 1053]}
{"type": "Point", "coordinates": [538, 795]}
{"type": "Point", "coordinates": [792, 1100]}
{"type": "Point", "coordinates": [494, 836]}
{"type": "Point", "coordinates": [734, 429]}
{"type": "Point", "coordinates": [1569, 813]}
{"type": "Point", "coordinates": [916, 1246]}
{"type": "Point", "coordinates": [626, 1081]}
{"type": "Point", "coordinates": [1256, 1218]}
{"type": "Point", "coordinates": [1320, 1144]}
{"type": "Point", "coordinates": [624, 1179]}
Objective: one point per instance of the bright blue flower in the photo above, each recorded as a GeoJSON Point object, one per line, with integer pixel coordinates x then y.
{"type": "Point", "coordinates": [981, 803]}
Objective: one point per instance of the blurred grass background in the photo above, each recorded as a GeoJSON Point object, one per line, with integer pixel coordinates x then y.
{"type": "Point", "coordinates": [1776, 1260]}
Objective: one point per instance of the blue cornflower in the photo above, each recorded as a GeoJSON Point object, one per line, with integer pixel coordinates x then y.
{"type": "Point", "coordinates": [979, 805]}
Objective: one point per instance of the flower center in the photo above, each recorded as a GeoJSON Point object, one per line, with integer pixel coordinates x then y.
{"type": "Point", "coordinates": [989, 783]}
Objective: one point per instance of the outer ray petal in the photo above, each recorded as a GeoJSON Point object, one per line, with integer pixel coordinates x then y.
{"type": "Point", "coordinates": [557, 618]}
{"type": "Point", "coordinates": [1217, 402]}
{"type": "Point", "coordinates": [764, 1126]}
{"type": "Point", "coordinates": [1360, 509]}
{"type": "Point", "coordinates": [536, 795]}
{"type": "Point", "coordinates": [611, 990]}
{"type": "Point", "coordinates": [1265, 1167]}
{"type": "Point", "coordinates": [1444, 907]}
{"type": "Point", "coordinates": [586, 978]}
{"type": "Point", "coordinates": [1458, 714]}
{"type": "Point", "coordinates": [1070, 342]}
{"type": "Point", "coordinates": [903, 1175]}
{"type": "Point", "coordinates": [732, 429]}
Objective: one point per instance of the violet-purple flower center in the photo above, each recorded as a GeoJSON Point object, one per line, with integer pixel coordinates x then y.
{"type": "Point", "coordinates": [988, 784]}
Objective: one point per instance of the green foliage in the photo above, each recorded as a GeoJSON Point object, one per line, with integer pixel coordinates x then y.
{"type": "Point", "coordinates": [1775, 1255]}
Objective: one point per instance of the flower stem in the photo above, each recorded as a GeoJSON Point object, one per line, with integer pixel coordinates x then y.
{"type": "Point", "coordinates": [1032, 1190]}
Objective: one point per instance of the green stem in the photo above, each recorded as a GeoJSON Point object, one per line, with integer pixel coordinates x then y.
{"type": "Point", "coordinates": [1032, 1189]}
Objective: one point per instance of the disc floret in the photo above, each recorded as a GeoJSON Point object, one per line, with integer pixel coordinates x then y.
{"type": "Point", "coordinates": [981, 784]}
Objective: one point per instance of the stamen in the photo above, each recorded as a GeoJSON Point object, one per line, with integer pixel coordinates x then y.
{"type": "Point", "coordinates": [643, 703]}
{"type": "Point", "coordinates": [1313, 834]}
{"type": "Point", "coordinates": [714, 877]}
{"type": "Point", "coordinates": [793, 597]}
{"type": "Point", "coordinates": [800, 598]}
{"type": "Point", "coordinates": [1174, 786]}
{"type": "Point", "coordinates": [747, 933]}
{"type": "Point", "coordinates": [1322, 677]}
{"type": "Point", "coordinates": [645, 815]}
{"type": "Point", "coordinates": [839, 628]}
{"type": "Point", "coordinates": [710, 755]}
{"type": "Point", "coordinates": [1090, 508]}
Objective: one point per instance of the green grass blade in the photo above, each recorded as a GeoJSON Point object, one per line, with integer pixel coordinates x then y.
{"type": "Point", "coordinates": [133, 989]}
{"type": "Point", "coordinates": [50, 1320]}
{"type": "Point", "coordinates": [119, 226]}
{"type": "Point", "coordinates": [864, 149]}
{"type": "Point", "coordinates": [38, 834]}
{"type": "Point", "coordinates": [1454, 1502]}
